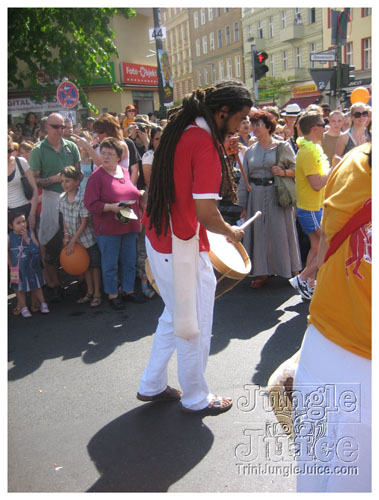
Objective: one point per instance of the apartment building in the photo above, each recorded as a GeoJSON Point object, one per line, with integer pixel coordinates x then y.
{"type": "Point", "coordinates": [216, 43]}
{"type": "Point", "coordinates": [289, 36]}
{"type": "Point", "coordinates": [357, 51]}
{"type": "Point", "coordinates": [178, 46]}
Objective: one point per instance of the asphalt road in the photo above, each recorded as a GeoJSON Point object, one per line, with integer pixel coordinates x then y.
{"type": "Point", "coordinates": [76, 426]}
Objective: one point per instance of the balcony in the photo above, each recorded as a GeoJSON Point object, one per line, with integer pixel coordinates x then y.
{"type": "Point", "coordinates": [292, 33]}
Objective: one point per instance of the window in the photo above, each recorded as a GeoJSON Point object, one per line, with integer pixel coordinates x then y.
{"type": "Point", "coordinates": [218, 12]}
{"type": "Point", "coordinates": [202, 16]}
{"type": "Point", "coordinates": [179, 67]}
{"type": "Point", "coordinates": [197, 43]}
{"type": "Point", "coordinates": [229, 68]}
{"type": "Point", "coordinates": [312, 50]}
{"type": "Point", "coordinates": [226, 11]}
{"type": "Point", "coordinates": [366, 12]}
{"type": "Point", "coordinates": [227, 35]}
{"type": "Point", "coordinates": [210, 14]}
{"type": "Point", "coordinates": [219, 38]}
{"type": "Point", "coordinates": [211, 41]}
{"type": "Point", "coordinates": [250, 31]}
{"type": "Point", "coordinates": [298, 57]}
{"type": "Point", "coordinates": [236, 31]}
{"type": "Point", "coordinates": [206, 78]}
{"type": "Point", "coordinates": [312, 15]}
{"type": "Point", "coordinates": [285, 60]}
{"type": "Point", "coordinates": [366, 44]}
{"type": "Point", "coordinates": [221, 70]}
{"type": "Point", "coordinates": [213, 69]}
{"type": "Point", "coordinates": [298, 19]}
{"type": "Point", "coordinates": [260, 29]}
{"type": "Point", "coordinates": [272, 65]}
{"type": "Point", "coordinates": [270, 27]}
{"type": "Point", "coordinates": [237, 62]}
{"type": "Point", "coordinates": [199, 82]}
{"type": "Point", "coordinates": [284, 20]}
{"type": "Point", "coordinates": [205, 44]}
{"type": "Point", "coordinates": [196, 19]}
{"type": "Point", "coordinates": [349, 54]}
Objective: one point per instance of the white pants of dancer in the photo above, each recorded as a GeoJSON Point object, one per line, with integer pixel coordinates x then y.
{"type": "Point", "coordinates": [192, 355]}
{"type": "Point", "coordinates": [332, 417]}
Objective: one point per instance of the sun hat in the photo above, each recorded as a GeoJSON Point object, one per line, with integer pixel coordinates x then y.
{"type": "Point", "coordinates": [291, 110]}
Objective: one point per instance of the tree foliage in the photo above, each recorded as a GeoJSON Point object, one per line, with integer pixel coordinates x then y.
{"type": "Point", "coordinates": [58, 43]}
{"type": "Point", "coordinates": [277, 84]}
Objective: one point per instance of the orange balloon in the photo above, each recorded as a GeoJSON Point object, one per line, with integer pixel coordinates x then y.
{"type": "Point", "coordinates": [361, 94]}
{"type": "Point", "coordinates": [77, 262]}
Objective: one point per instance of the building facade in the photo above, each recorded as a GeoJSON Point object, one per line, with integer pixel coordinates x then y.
{"type": "Point", "coordinates": [217, 46]}
{"type": "Point", "coordinates": [178, 46]}
{"type": "Point", "coordinates": [289, 36]}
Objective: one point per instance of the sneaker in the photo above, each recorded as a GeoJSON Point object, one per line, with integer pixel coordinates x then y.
{"type": "Point", "coordinates": [44, 308]}
{"type": "Point", "coordinates": [301, 287]}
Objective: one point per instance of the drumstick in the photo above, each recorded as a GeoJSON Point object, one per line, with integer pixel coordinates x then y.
{"type": "Point", "coordinates": [252, 219]}
{"type": "Point", "coordinates": [236, 156]}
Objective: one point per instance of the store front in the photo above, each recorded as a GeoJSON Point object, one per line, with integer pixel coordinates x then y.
{"type": "Point", "coordinates": [140, 84]}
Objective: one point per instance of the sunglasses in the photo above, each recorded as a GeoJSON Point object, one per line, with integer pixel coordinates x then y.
{"type": "Point", "coordinates": [257, 124]}
{"type": "Point", "coordinates": [358, 114]}
{"type": "Point", "coordinates": [56, 126]}
{"type": "Point", "coordinates": [10, 151]}
{"type": "Point", "coordinates": [320, 125]}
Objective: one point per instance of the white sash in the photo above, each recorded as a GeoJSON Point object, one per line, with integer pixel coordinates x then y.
{"type": "Point", "coordinates": [185, 255]}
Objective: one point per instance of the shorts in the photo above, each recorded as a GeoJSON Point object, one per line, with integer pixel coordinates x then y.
{"type": "Point", "coordinates": [53, 249]}
{"type": "Point", "coordinates": [309, 220]}
{"type": "Point", "coordinates": [94, 256]}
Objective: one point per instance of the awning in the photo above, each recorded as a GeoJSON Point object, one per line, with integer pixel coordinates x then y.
{"type": "Point", "coordinates": [303, 102]}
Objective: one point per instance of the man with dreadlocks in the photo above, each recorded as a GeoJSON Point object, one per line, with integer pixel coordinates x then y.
{"type": "Point", "coordinates": [190, 172]}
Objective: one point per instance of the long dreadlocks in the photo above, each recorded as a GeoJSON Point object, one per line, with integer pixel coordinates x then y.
{"type": "Point", "coordinates": [204, 103]}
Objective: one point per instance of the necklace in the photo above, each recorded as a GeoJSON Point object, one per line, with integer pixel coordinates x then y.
{"type": "Point", "coordinates": [316, 150]}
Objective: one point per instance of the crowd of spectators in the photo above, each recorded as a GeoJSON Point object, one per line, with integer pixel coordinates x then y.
{"type": "Point", "coordinates": [112, 156]}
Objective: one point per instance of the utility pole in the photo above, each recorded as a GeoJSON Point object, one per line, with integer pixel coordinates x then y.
{"type": "Point", "coordinates": [159, 46]}
{"type": "Point", "coordinates": [255, 84]}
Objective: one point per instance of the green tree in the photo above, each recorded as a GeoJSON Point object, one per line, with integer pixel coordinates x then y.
{"type": "Point", "coordinates": [70, 43]}
{"type": "Point", "coordinates": [277, 85]}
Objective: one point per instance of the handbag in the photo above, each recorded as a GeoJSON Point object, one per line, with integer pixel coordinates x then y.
{"type": "Point", "coordinates": [285, 189]}
{"type": "Point", "coordinates": [28, 190]}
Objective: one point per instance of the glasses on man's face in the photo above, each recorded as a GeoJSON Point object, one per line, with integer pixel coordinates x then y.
{"type": "Point", "coordinates": [358, 114]}
{"type": "Point", "coordinates": [320, 125]}
{"type": "Point", "coordinates": [107, 154]}
{"type": "Point", "coordinates": [57, 127]}
{"type": "Point", "coordinates": [257, 124]}
{"type": "Point", "coordinates": [10, 151]}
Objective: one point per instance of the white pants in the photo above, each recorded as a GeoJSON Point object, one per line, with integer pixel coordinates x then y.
{"type": "Point", "coordinates": [332, 417]}
{"type": "Point", "coordinates": [192, 354]}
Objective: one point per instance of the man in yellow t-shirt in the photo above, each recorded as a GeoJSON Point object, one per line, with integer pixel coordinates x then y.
{"type": "Point", "coordinates": [332, 386]}
{"type": "Point", "coordinates": [312, 172]}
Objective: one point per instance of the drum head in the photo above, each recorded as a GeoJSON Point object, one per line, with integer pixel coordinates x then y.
{"type": "Point", "coordinates": [226, 257]}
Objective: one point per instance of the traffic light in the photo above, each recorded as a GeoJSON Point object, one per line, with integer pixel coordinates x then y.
{"type": "Point", "coordinates": [260, 68]}
{"type": "Point", "coordinates": [346, 74]}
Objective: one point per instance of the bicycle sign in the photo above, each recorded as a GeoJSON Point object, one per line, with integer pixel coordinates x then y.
{"type": "Point", "coordinates": [67, 94]}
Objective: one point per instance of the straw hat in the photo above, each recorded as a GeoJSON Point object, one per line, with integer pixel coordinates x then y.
{"type": "Point", "coordinates": [291, 110]}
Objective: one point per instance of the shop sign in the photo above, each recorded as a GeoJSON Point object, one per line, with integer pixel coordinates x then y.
{"type": "Point", "coordinates": [24, 105]}
{"type": "Point", "coordinates": [304, 90]}
{"type": "Point", "coordinates": [139, 74]}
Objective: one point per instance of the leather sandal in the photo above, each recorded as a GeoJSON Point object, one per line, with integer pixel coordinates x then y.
{"type": "Point", "coordinates": [216, 406]}
{"type": "Point", "coordinates": [84, 300]}
{"type": "Point", "coordinates": [169, 394]}
{"type": "Point", "coordinates": [96, 301]}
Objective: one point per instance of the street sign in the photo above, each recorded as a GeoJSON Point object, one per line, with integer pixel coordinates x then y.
{"type": "Point", "coordinates": [323, 56]}
{"type": "Point", "coordinates": [67, 94]}
{"type": "Point", "coordinates": [321, 77]}
{"type": "Point", "coordinates": [159, 32]}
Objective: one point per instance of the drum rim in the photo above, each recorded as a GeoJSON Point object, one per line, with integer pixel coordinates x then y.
{"type": "Point", "coordinates": [222, 268]}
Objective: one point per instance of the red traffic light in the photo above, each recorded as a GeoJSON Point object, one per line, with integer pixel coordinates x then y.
{"type": "Point", "coordinates": [262, 56]}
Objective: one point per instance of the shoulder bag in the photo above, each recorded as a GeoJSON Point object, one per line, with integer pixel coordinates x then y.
{"type": "Point", "coordinates": [285, 190]}
{"type": "Point", "coordinates": [28, 190]}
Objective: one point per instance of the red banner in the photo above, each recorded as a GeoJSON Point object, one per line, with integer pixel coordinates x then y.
{"type": "Point", "coordinates": [139, 74]}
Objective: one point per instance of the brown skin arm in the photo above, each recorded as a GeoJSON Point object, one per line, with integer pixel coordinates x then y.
{"type": "Point", "coordinates": [209, 216]}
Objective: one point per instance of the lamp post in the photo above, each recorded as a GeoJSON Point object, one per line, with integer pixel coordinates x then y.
{"type": "Point", "coordinates": [159, 46]}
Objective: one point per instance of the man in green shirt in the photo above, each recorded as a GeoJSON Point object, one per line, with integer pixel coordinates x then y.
{"type": "Point", "coordinates": [47, 160]}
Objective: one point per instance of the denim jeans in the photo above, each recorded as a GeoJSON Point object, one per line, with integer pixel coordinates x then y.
{"type": "Point", "coordinates": [118, 251]}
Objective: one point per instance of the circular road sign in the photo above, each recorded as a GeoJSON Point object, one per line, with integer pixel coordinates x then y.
{"type": "Point", "coordinates": [67, 94]}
